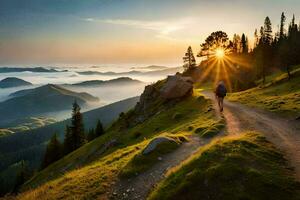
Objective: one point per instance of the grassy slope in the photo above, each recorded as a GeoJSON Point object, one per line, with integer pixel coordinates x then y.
{"type": "Point", "coordinates": [91, 174]}
{"type": "Point", "coordinates": [240, 167]}
{"type": "Point", "coordinates": [277, 95]}
{"type": "Point", "coordinates": [140, 162]}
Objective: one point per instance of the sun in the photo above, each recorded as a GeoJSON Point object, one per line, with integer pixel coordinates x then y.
{"type": "Point", "coordinates": [220, 53]}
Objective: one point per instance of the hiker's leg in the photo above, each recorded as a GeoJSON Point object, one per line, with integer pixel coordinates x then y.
{"type": "Point", "coordinates": [221, 103]}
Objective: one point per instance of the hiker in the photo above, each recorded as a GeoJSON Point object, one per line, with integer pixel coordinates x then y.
{"type": "Point", "coordinates": [220, 94]}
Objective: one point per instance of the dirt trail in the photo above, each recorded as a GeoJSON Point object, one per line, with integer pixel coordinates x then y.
{"type": "Point", "coordinates": [284, 133]}
{"type": "Point", "coordinates": [138, 187]}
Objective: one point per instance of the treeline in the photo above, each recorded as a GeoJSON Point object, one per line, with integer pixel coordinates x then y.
{"type": "Point", "coordinates": [244, 64]}
{"type": "Point", "coordinates": [276, 50]}
{"type": "Point", "coordinates": [74, 138]}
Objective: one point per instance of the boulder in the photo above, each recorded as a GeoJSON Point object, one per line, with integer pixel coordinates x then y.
{"type": "Point", "coordinates": [176, 87]}
{"type": "Point", "coordinates": [155, 142]}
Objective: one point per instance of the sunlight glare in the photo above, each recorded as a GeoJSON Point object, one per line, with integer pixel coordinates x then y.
{"type": "Point", "coordinates": [220, 53]}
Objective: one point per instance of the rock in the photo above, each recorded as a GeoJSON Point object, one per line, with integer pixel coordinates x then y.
{"type": "Point", "coordinates": [176, 87]}
{"type": "Point", "coordinates": [159, 158]}
{"type": "Point", "coordinates": [155, 142]}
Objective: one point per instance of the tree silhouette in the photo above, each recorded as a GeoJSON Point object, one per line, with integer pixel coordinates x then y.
{"type": "Point", "coordinates": [189, 59]}
{"type": "Point", "coordinates": [215, 40]}
{"type": "Point", "coordinates": [77, 127]}
{"type": "Point", "coordinates": [53, 151]}
{"type": "Point", "coordinates": [68, 141]}
{"type": "Point", "coordinates": [282, 24]}
{"type": "Point", "coordinates": [91, 135]}
{"type": "Point", "coordinates": [244, 44]}
{"type": "Point", "coordinates": [99, 129]}
{"type": "Point", "coordinates": [22, 176]}
{"type": "Point", "coordinates": [267, 36]}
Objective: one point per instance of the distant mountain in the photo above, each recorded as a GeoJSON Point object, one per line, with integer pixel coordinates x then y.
{"type": "Point", "coordinates": [30, 145]}
{"type": "Point", "coordinates": [152, 67]}
{"type": "Point", "coordinates": [44, 99]}
{"type": "Point", "coordinates": [25, 69]}
{"type": "Point", "coordinates": [163, 72]}
{"type": "Point", "coordinates": [117, 81]}
{"type": "Point", "coordinates": [110, 73]}
{"type": "Point", "coordinates": [13, 82]}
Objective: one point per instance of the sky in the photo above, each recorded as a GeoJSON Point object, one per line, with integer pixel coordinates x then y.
{"type": "Point", "coordinates": [120, 32]}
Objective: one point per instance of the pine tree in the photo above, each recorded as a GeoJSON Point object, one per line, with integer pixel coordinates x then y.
{"type": "Point", "coordinates": [68, 141]}
{"type": "Point", "coordinates": [21, 177]}
{"type": "Point", "coordinates": [244, 44]}
{"type": "Point", "coordinates": [282, 29]}
{"type": "Point", "coordinates": [236, 43]}
{"type": "Point", "coordinates": [91, 135]}
{"type": "Point", "coordinates": [256, 38]}
{"type": "Point", "coordinates": [267, 36]}
{"type": "Point", "coordinates": [77, 128]}
{"type": "Point", "coordinates": [53, 151]}
{"type": "Point", "coordinates": [99, 129]}
{"type": "Point", "coordinates": [189, 59]}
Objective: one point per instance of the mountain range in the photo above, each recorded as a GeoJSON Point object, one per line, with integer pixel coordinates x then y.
{"type": "Point", "coordinates": [162, 72]}
{"type": "Point", "coordinates": [27, 69]}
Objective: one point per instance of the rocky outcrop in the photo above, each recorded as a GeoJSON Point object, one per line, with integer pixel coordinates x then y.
{"type": "Point", "coordinates": [160, 96]}
{"type": "Point", "coordinates": [176, 87]}
{"type": "Point", "coordinates": [155, 142]}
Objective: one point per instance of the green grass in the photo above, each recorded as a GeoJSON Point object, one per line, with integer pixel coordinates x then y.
{"type": "Point", "coordinates": [240, 167]}
{"type": "Point", "coordinates": [26, 124]}
{"type": "Point", "coordinates": [87, 173]}
{"type": "Point", "coordinates": [141, 162]}
{"type": "Point", "coordinates": [210, 128]}
{"type": "Point", "coordinates": [278, 95]}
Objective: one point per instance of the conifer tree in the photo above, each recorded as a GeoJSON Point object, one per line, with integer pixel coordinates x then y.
{"type": "Point", "coordinates": [99, 129]}
{"type": "Point", "coordinates": [77, 128]}
{"type": "Point", "coordinates": [244, 44]}
{"type": "Point", "coordinates": [256, 38]}
{"type": "Point", "coordinates": [189, 59]}
{"type": "Point", "coordinates": [282, 29]}
{"type": "Point", "coordinates": [68, 141]}
{"type": "Point", "coordinates": [53, 151]}
{"type": "Point", "coordinates": [91, 135]}
{"type": "Point", "coordinates": [267, 37]}
{"type": "Point", "coordinates": [21, 177]}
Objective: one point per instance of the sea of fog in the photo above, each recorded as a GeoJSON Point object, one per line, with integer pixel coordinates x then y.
{"type": "Point", "coordinates": [107, 95]}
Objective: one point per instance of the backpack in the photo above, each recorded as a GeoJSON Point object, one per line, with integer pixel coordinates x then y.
{"type": "Point", "coordinates": [221, 90]}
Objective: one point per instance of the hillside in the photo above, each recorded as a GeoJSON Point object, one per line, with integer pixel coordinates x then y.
{"type": "Point", "coordinates": [132, 132]}
{"type": "Point", "coordinates": [278, 95]}
{"type": "Point", "coordinates": [113, 82]}
{"type": "Point", "coordinates": [205, 159]}
{"type": "Point", "coordinates": [39, 101]}
{"type": "Point", "coordinates": [30, 145]}
{"type": "Point", "coordinates": [240, 167]}
{"type": "Point", "coordinates": [13, 82]}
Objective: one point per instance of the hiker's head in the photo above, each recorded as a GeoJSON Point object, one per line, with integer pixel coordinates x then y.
{"type": "Point", "coordinates": [221, 83]}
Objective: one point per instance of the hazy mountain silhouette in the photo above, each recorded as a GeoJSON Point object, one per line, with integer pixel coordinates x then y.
{"type": "Point", "coordinates": [27, 69]}
{"type": "Point", "coordinates": [13, 82]}
{"type": "Point", "coordinates": [37, 101]}
{"type": "Point", "coordinates": [162, 72]}
{"type": "Point", "coordinates": [112, 82]}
